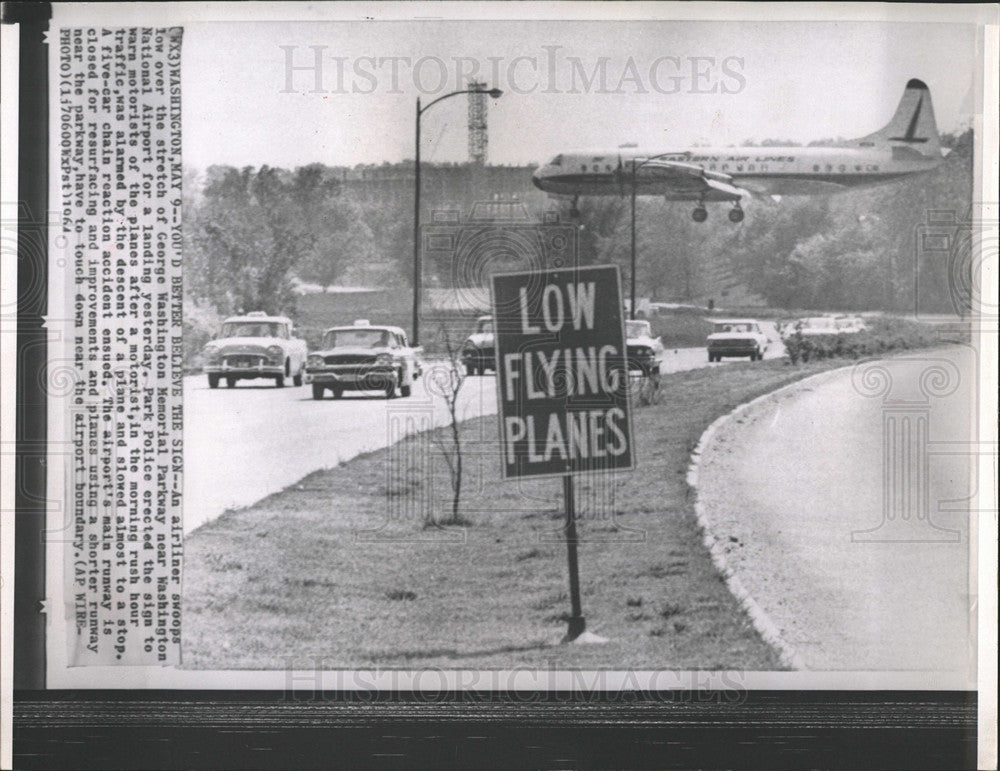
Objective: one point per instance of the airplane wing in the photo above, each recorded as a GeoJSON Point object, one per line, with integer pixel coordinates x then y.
{"type": "Point", "coordinates": [689, 178]}
{"type": "Point", "coordinates": [686, 178]}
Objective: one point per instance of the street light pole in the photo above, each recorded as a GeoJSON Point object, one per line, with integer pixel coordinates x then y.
{"type": "Point", "coordinates": [632, 274]}
{"type": "Point", "coordinates": [496, 93]}
{"type": "Point", "coordinates": [416, 233]}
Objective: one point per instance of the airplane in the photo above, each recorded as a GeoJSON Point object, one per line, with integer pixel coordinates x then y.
{"type": "Point", "coordinates": [907, 145]}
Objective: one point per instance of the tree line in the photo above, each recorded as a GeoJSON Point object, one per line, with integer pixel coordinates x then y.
{"type": "Point", "coordinates": [250, 234]}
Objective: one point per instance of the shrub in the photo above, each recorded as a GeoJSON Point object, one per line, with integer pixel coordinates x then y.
{"type": "Point", "coordinates": [201, 325]}
{"type": "Point", "coordinates": [882, 335]}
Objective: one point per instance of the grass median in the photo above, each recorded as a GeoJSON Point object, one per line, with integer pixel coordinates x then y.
{"type": "Point", "coordinates": [343, 569]}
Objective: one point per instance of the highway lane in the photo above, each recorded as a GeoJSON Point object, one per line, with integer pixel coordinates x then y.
{"type": "Point", "coordinates": [797, 488]}
{"type": "Point", "coordinates": [242, 444]}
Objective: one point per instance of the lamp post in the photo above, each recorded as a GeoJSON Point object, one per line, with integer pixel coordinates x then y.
{"type": "Point", "coordinates": [635, 167]}
{"type": "Point", "coordinates": [496, 93]}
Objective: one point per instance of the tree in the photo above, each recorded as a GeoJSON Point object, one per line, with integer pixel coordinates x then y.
{"type": "Point", "coordinates": [446, 380]}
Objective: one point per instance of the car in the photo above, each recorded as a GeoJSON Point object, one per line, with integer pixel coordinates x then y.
{"type": "Point", "coordinates": [737, 337]}
{"type": "Point", "coordinates": [478, 350]}
{"type": "Point", "coordinates": [817, 325]}
{"type": "Point", "coordinates": [254, 346]}
{"type": "Point", "coordinates": [849, 325]}
{"type": "Point", "coordinates": [642, 349]}
{"type": "Point", "coordinates": [363, 357]}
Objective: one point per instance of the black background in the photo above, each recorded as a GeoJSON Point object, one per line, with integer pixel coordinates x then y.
{"type": "Point", "coordinates": [203, 729]}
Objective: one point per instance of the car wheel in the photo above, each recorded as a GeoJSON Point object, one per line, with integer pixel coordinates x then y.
{"type": "Point", "coordinates": [213, 381]}
{"type": "Point", "coordinates": [279, 381]}
{"type": "Point", "coordinates": [711, 358]}
{"type": "Point", "coordinates": [337, 392]}
{"type": "Point", "coordinates": [297, 380]}
{"type": "Point", "coordinates": [390, 387]}
{"type": "Point", "coordinates": [318, 391]}
{"type": "Point", "coordinates": [470, 370]}
{"type": "Point", "coordinates": [230, 382]}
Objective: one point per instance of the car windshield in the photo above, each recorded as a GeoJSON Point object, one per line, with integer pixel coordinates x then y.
{"type": "Point", "coordinates": [734, 326]}
{"type": "Point", "coordinates": [254, 329]}
{"type": "Point", "coordinates": [484, 325]}
{"type": "Point", "coordinates": [636, 329]}
{"type": "Point", "coordinates": [356, 338]}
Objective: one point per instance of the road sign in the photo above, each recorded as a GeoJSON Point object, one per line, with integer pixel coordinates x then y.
{"type": "Point", "coordinates": [562, 378]}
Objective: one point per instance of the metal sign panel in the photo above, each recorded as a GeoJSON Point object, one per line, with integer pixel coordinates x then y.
{"type": "Point", "coordinates": [562, 379]}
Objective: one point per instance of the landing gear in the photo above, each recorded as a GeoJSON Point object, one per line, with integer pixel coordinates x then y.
{"type": "Point", "coordinates": [700, 214]}
{"type": "Point", "coordinates": [736, 214]}
{"type": "Point", "coordinates": [573, 211]}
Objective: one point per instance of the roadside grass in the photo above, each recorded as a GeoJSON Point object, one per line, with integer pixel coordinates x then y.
{"type": "Point", "coordinates": [340, 570]}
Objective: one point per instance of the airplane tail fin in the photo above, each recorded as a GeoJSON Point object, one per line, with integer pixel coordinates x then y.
{"type": "Point", "coordinates": [913, 126]}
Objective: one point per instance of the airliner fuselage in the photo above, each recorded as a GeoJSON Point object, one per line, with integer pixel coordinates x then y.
{"type": "Point", "coordinates": [764, 170]}
{"type": "Point", "coordinates": [908, 144]}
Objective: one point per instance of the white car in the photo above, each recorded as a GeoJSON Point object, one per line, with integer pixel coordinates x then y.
{"type": "Point", "coordinates": [363, 357]}
{"type": "Point", "coordinates": [478, 350]}
{"type": "Point", "coordinates": [817, 325]}
{"type": "Point", "coordinates": [737, 337]}
{"type": "Point", "coordinates": [849, 325]}
{"type": "Point", "coordinates": [642, 349]}
{"type": "Point", "coordinates": [255, 346]}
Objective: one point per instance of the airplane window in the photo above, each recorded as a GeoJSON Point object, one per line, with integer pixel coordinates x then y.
{"type": "Point", "coordinates": [816, 167]}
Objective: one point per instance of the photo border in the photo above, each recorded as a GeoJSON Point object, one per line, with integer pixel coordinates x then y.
{"type": "Point", "coordinates": [301, 729]}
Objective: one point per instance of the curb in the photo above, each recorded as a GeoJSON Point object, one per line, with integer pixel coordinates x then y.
{"type": "Point", "coordinates": [761, 621]}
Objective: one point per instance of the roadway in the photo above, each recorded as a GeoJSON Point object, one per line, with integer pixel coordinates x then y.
{"type": "Point", "coordinates": [796, 488]}
{"type": "Point", "coordinates": [247, 442]}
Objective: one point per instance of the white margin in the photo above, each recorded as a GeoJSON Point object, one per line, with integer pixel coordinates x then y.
{"type": "Point", "coordinates": [9, 92]}
{"type": "Point", "coordinates": [987, 193]}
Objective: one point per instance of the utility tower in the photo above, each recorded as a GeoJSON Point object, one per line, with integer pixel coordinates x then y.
{"type": "Point", "coordinates": [478, 138]}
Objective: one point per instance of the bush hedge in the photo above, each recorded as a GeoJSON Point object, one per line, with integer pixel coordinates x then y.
{"type": "Point", "coordinates": [882, 335]}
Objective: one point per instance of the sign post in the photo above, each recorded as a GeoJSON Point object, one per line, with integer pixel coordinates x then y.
{"type": "Point", "coordinates": [562, 385]}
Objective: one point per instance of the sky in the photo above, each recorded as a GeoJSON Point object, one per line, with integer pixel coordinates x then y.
{"type": "Point", "coordinates": [567, 84]}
